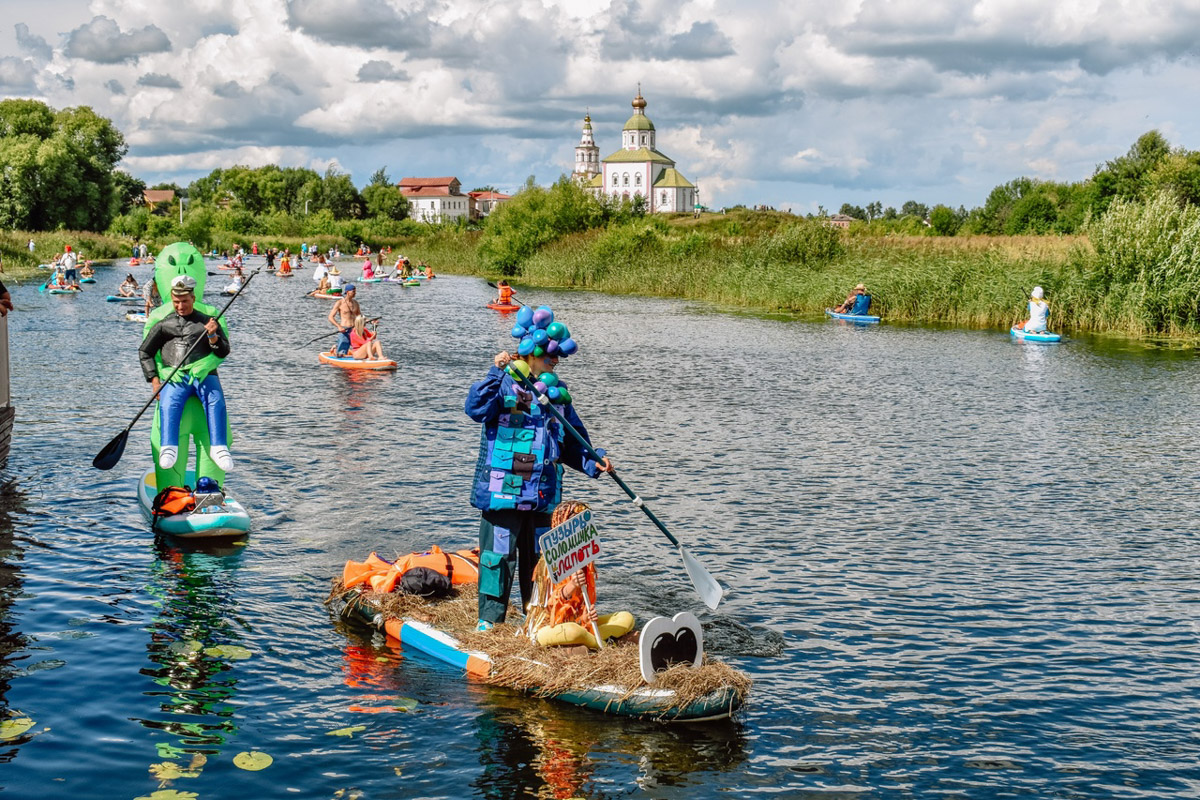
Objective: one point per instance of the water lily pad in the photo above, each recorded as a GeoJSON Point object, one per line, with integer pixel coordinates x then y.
{"type": "Point", "coordinates": [168, 794]}
{"type": "Point", "coordinates": [14, 727]}
{"type": "Point", "coordinates": [252, 761]}
{"type": "Point", "coordinates": [347, 731]}
{"type": "Point", "coordinates": [186, 647]}
{"type": "Point", "coordinates": [233, 652]}
{"type": "Point", "coordinates": [405, 704]}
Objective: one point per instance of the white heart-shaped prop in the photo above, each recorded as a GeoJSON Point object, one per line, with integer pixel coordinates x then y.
{"type": "Point", "coordinates": [663, 642]}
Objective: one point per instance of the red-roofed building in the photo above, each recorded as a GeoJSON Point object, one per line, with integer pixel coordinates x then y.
{"type": "Point", "coordinates": [486, 202]}
{"type": "Point", "coordinates": [158, 199]}
{"type": "Point", "coordinates": [436, 199]}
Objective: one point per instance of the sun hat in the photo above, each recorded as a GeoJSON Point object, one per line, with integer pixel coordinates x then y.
{"type": "Point", "coordinates": [861, 286]}
{"type": "Point", "coordinates": [1038, 294]}
{"type": "Point", "coordinates": [334, 271]}
{"type": "Point", "coordinates": [183, 284]}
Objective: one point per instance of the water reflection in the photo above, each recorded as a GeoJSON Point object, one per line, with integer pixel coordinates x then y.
{"type": "Point", "coordinates": [540, 749]}
{"type": "Point", "coordinates": [12, 642]}
{"type": "Point", "coordinates": [193, 641]}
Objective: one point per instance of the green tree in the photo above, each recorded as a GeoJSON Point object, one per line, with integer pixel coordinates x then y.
{"type": "Point", "coordinates": [129, 191]}
{"type": "Point", "coordinates": [912, 208]}
{"type": "Point", "coordinates": [943, 221]}
{"type": "Point", "coordinates": [339, 195]}
{"type": "Point", "coordinates": [853, 211]}
{"type": "Point", "coordinates": [385, 201]}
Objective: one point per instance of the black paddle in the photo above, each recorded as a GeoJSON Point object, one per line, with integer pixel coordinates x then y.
{"type": "Point", "coordinates": [112, 452]}
{"type": "Point", "coordinates": [335, 333]}
{"type": "Point", "coordinates": [705, 584]}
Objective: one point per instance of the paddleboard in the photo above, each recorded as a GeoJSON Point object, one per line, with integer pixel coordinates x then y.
{"type": "Point", "coordinates": [87, 280]}
{"type": "Point", "coordinates": [504, 307]}
{"type": "Point", "coordinates": [324, 296]}
{"type": "Point", "coordinates": [356, 363]}
{"type": "Point", "coordinates": [225, 518]}
{"type": "Point", "coordinates": [852, 317]}
{"type": "Point", "coordinates": [411, 282]}
{"type": "Point", "coordinates": [1044, 336]}
{"type": "Point", "coordinates": [113, 298]}
{"type": "Point", "coordinates": [135, 316]}
{"type": "Point", "coordinates": [646, 702]}
{"type": "Point", "coordinates": [65, 291]}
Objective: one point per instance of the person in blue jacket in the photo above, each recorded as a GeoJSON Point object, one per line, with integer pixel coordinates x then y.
{"type": "Point", "coordinates": [857, 304]}
{"type": "Point", "coordinates": [518, 476]}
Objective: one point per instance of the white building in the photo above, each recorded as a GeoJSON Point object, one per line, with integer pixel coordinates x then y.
{"type": "Point", "coordinates": [638, 168]}
{"type": "Point", "coordinates": [436, 199]}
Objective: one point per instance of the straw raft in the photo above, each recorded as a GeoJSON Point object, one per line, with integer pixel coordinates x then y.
{"type": "Point", "coordinates": [520, 664]}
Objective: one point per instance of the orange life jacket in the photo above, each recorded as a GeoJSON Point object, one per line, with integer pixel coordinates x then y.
{"type": "Point", "coordinates": [382, 575]}
{"type": "Point", "coordinates": [506, 293]}
{"type": "Point", "coordinates": [173, 500]}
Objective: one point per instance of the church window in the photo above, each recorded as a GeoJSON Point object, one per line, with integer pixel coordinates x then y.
{"type": "Point", "coordinates": [625, 182]}
{"type": "Point", "coordinates": [643, 138]}
{"type": "Point", "coordinates": [637, 179]}
{"type": "Point", "coordinates": [664, 198]}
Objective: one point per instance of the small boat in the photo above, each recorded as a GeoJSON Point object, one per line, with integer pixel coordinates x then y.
{"type": "Point", "coordinates": [325, 295]}
{"type": "Point", "coordinates": [133, 262]}
{"type": "Point", "coordinates": [135, 316]}
{"type": "Point", "coordinates": [504, 307]}
{"type": "Point", "coordinates": [645, 702]}
{"type": "Point", "coordinates": [411, 282]}
{"type": "Point", "coordinates": [1027, 336]}
{"type": "Point", "coordinates": [852, 317]}
{"type": "Point", "coordinates": [215, 515]}
{"type": "Point", "coordinates": [346, 362]}
{"type": "Point", "coordinates": [116, 298]}
{"type": "Point", "coordinates": [87, 280]}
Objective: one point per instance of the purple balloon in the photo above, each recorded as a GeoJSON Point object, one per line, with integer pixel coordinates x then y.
{"type": "Point", "coordinates": [567, 347]}
{"type": "Point", "coordinates": [541, 387]}
{"type": "Point", "coordinates": [543, 317]}
{"type": "Point", "coordinates": [551, 347]}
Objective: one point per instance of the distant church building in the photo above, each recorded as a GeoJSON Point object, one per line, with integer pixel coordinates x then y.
{"type": "Point", "coordinates": [636, 169]}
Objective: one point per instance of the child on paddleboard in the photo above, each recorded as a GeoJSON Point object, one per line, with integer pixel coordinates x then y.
{"type": "Point", "coordinates": [522, 450]}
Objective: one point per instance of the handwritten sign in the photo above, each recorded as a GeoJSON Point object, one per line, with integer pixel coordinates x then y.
{"type": "Point", "coordinates": [570, 546]}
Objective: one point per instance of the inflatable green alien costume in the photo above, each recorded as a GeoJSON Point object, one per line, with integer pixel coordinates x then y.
{"type": "Point", "coordinates": [178, 259]}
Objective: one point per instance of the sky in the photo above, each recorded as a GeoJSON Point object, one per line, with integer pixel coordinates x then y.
{"type": "Point", "coordinates": [793, 104]}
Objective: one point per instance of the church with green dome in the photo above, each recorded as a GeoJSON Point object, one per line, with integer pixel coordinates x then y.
{"type": "Point", "coordinates": [638, 168]}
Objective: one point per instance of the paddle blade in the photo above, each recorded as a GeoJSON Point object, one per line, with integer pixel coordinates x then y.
{"type": "Point", "coordinates": [706, 585]}
{"type": "Point", "coordinates": [112, 452]}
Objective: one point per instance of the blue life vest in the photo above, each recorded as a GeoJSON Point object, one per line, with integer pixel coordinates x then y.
{"type": "Point", "coordinates": [518, 461]}
{"type": "Point", "coordinates": [862, 304]}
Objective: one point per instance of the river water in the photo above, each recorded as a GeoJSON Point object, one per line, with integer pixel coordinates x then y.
{"type": "Point", "coordinates": [958, 566]}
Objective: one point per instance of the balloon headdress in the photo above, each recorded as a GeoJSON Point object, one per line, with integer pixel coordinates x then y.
{"type": "Point", "coordinates": [540, 335]}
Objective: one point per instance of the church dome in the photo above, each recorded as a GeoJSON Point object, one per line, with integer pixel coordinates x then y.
{"type": "Point", "coordinates": [639, 121]}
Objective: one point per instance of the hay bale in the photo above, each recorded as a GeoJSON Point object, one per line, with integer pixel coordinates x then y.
{"type": "Point", "coordinates": [520, 664]}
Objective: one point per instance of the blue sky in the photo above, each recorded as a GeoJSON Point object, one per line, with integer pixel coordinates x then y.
{"type": "Point", "coordinates": [790, 104]}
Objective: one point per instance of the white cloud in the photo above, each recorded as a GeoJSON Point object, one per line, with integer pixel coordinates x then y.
{"type": "Point", "coordinates": [103, 42]}
{"type": "Point", "coordinates": [903, 99]}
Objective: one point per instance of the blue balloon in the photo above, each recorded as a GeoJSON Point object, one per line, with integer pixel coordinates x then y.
{"type": "Point", "coordinates": [525, 347]}
{"type": "Point", "coordinates": [540, 336]}
{"type": "Point", "coordinates": [543, 316]}
{"type": "Point", "coordinates": [518, 331]}
{"type": "Point", "coordinates": [525, 316]}
{"type": "Point", "coordinates": [548, 378]}
{"type": "Point", "coordinates": [556, 331]}
{"type": "Point", "coordinates": [551, 347]}
{"type": "Point", "coordinates": [553, 393]}
{"type": "Point", "coordinates": [567, 347]}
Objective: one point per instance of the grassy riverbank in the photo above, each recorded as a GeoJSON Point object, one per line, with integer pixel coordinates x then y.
{"type": "Point", "coordinates": [21, 265]}
{"type": "Point", "coordinates": [1135, 272]}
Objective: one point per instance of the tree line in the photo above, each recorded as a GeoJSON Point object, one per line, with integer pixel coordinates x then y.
{"type": "Point", "coordinates": [1032, 206]}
